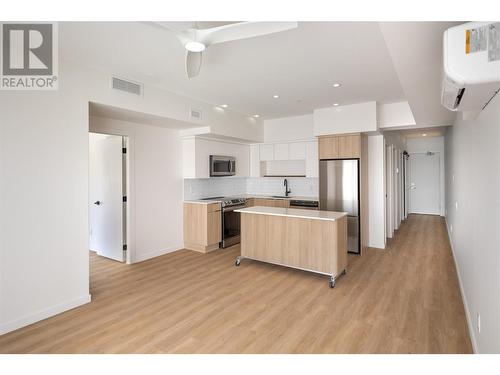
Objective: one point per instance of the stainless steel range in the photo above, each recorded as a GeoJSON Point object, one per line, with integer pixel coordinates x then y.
{"type": "Point", "coordinates": [230, 219]}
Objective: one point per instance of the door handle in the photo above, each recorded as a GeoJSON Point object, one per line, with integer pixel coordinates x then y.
{"type": "Point", "coordinates": [98, 203]}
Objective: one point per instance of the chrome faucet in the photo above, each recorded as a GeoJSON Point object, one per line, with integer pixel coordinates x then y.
{"type": "Point", "coordinates": [287, 190]}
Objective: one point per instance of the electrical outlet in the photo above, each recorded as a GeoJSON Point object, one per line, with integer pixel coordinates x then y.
{"type": "Point", "coordinates": [478, 323]}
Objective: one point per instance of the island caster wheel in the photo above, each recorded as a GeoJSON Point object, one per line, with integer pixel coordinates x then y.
{"type": "Point", "coordinates": [344, 272]}
{"type": "Point", "coordinates": [331, 283]}
{"type": "Point", "coordinates": [237, 263]}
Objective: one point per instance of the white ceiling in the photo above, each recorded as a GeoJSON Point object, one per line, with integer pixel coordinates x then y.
{"type": "Point", "coordinates": [416, 50]}
{"type": "Point", "coordinates": [300, 65]}
{"type": "Point", "coordinates": [437, 131]}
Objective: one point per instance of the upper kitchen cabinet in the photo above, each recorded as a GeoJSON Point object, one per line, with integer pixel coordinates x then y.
{"type": "Point", "coordinates": [254, 160]}
{"type": "Point", "coordinates": [281, 151]}
{"type": "Point", "coordinates": [312, 165]}
{"type": "Point", "coordinates": [266, 152]}
{"type": "Point", "coordinates": [350, 146]}
{"type": "Point", "coordinates": [328, 147]}
{"type": "Point", "coordinates": [344, 146]}
{"type": "Point", "coordinates": [196, 153]}
{"type": "Point", "coordinates": [298, 158]}
{"type": "Point", "coordinates": [297, 150]}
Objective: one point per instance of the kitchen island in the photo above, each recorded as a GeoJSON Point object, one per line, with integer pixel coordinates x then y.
{"type": "Point", "coordinates": [314, 241]}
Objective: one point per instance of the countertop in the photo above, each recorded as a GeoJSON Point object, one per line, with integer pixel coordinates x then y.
{"type": "Point", "coordinates": [293, 212]}
{"type": "Point", "coordinates": [247, 196]}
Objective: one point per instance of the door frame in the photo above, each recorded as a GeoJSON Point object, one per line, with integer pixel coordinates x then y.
{"type": "Point", "coordinates": [127, 190]}
{"type": "Point", "coordinates": [439, 182]}
{"type": "Point", "coordinates": [389, 191]}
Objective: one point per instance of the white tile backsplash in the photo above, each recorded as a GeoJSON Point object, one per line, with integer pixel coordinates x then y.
{"type": "Point", "coordinates": [230, 186]}
{"type": "Point", "coordinates": [300, 186]}
{"type": "Point", "coordinates": [196, 188]}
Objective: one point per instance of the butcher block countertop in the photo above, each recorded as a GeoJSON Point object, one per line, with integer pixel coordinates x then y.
{"type": "Point", "coordinates": [294, 212]}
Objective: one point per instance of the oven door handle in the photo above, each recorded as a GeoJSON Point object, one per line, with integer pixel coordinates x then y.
{"type": "Point", "coordinates": [229, 209]}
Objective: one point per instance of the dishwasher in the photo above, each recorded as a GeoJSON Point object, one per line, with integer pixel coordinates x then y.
{"type": "Point", "coordinates": [304, 204]}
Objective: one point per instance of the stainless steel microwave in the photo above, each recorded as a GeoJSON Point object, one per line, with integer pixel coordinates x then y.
{"type": "Point", "coordinates": [222, 166]}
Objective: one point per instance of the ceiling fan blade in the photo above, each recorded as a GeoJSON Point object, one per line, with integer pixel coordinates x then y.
{"type": "Point", "coordinates": [176, 27]}
{"type": "Point", "coordinates": [193, 63]}
{"type": "Point", "coordinates": [241, 30]}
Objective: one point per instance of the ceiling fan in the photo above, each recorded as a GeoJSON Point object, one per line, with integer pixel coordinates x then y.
{"type": "Point", "coordinates": [195, 39]}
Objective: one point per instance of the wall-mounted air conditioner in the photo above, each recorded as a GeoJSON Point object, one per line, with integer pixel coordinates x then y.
{"type": "Point", "coordinates": [471, 59]}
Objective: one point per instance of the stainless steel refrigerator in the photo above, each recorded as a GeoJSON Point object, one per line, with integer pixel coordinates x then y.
{"type": "Point", "coordinates": [339, 191]}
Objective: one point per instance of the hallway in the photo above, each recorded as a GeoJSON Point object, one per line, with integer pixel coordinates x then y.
{"type": "Point", "coordinates": [404, 299]}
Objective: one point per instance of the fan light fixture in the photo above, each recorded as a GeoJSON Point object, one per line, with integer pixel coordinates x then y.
{"type": "Point", "coordinates": [276, 96]}
{"type": "Point", "coordinates": [335, 104]}
{"type": "Point", "coordinates": [337, 85]}
{"type": "Point", "coordinates": [195, 46]}
{"type": "Point", "coordinates": [256, 116]}
{"type": "Point", "coordinates": [223, 105]}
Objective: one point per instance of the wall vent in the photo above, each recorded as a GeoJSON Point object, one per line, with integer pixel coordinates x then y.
{"type": "Point", "coordinates": [126, 85]}
{"type": "Point", "coordinates": [195, 114]}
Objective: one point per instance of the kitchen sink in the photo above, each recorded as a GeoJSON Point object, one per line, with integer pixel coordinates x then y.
{"type": "Point", "coordinates": [279, 196]}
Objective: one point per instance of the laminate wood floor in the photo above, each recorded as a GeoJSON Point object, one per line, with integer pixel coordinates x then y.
{"type": "Point", "coordinates": [404, 299]}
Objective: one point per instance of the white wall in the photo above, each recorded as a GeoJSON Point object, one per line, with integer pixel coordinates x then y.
{"type": "Point", "coordinates": [473, 206]}
{"type": "Point", "coordinates": [44, 263]}
{"type": "Point", "coordinates": [376, 192]}
{"type": "Point", "coordinates": [196, 152]}
{"type": "Point", "coordinates": [394, 115]}
{"type": "Point", "coordinates": [354, 118]}
{"type": "Point", "coordinates": [156, 188]}
{"type": "Point", "coordinates": [44, 259]}
{"type": "Point", "coordinates": [433, 144]}
{"type": "Point", "coordinates": [289, 129]}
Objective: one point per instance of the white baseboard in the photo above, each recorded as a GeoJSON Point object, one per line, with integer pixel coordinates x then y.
{"type": "Point", "coordinates": [156, 253]}
{"type": "Point", "coordinates": [43, 314]}
{"type": "Point", "coordinates": [462, 292]}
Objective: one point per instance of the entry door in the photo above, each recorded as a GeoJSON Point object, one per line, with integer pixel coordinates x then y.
{"type": "Point", "coordinates": [424, 183]}
{"type": "Point", "coordinates": [107, 200]}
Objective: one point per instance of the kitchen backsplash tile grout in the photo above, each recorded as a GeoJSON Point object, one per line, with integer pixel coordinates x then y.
{"type": "Point", "coordinates": [230, 186]}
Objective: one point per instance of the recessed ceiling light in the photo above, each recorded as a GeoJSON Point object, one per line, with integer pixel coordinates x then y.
{"type": "Point", "coordinates": [223, 105]}
{"type": "Point", "coordinates": [424, 134]}
{"type": "Point", "coordinates": [335, 104]}
{"type": "Point", "coordinates": [337, 84]}
{"type": "Point", "coordinates": [194, 46]}
{"type": "Point", "coordinates": [276, 96]}
{"type": "Point", "coordinates": [256, 116]}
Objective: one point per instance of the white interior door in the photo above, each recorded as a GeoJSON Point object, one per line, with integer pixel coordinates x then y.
{"type": "Point", "coordinates": [106, 212]}
{"type": "Point", "coordinates": [424, 183]}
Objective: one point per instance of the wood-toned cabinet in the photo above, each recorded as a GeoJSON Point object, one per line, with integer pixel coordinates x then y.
{"type": "Point", "coordinates": [202, 226]}
{"type": "Point", "coordinates": [268, 202]}
{"type": "Point", "coordinates": [343, 146]}
{"type": "Point", "coordinates": [350, 146]}
{"type": "Point", "coordinates": [328, 147]}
